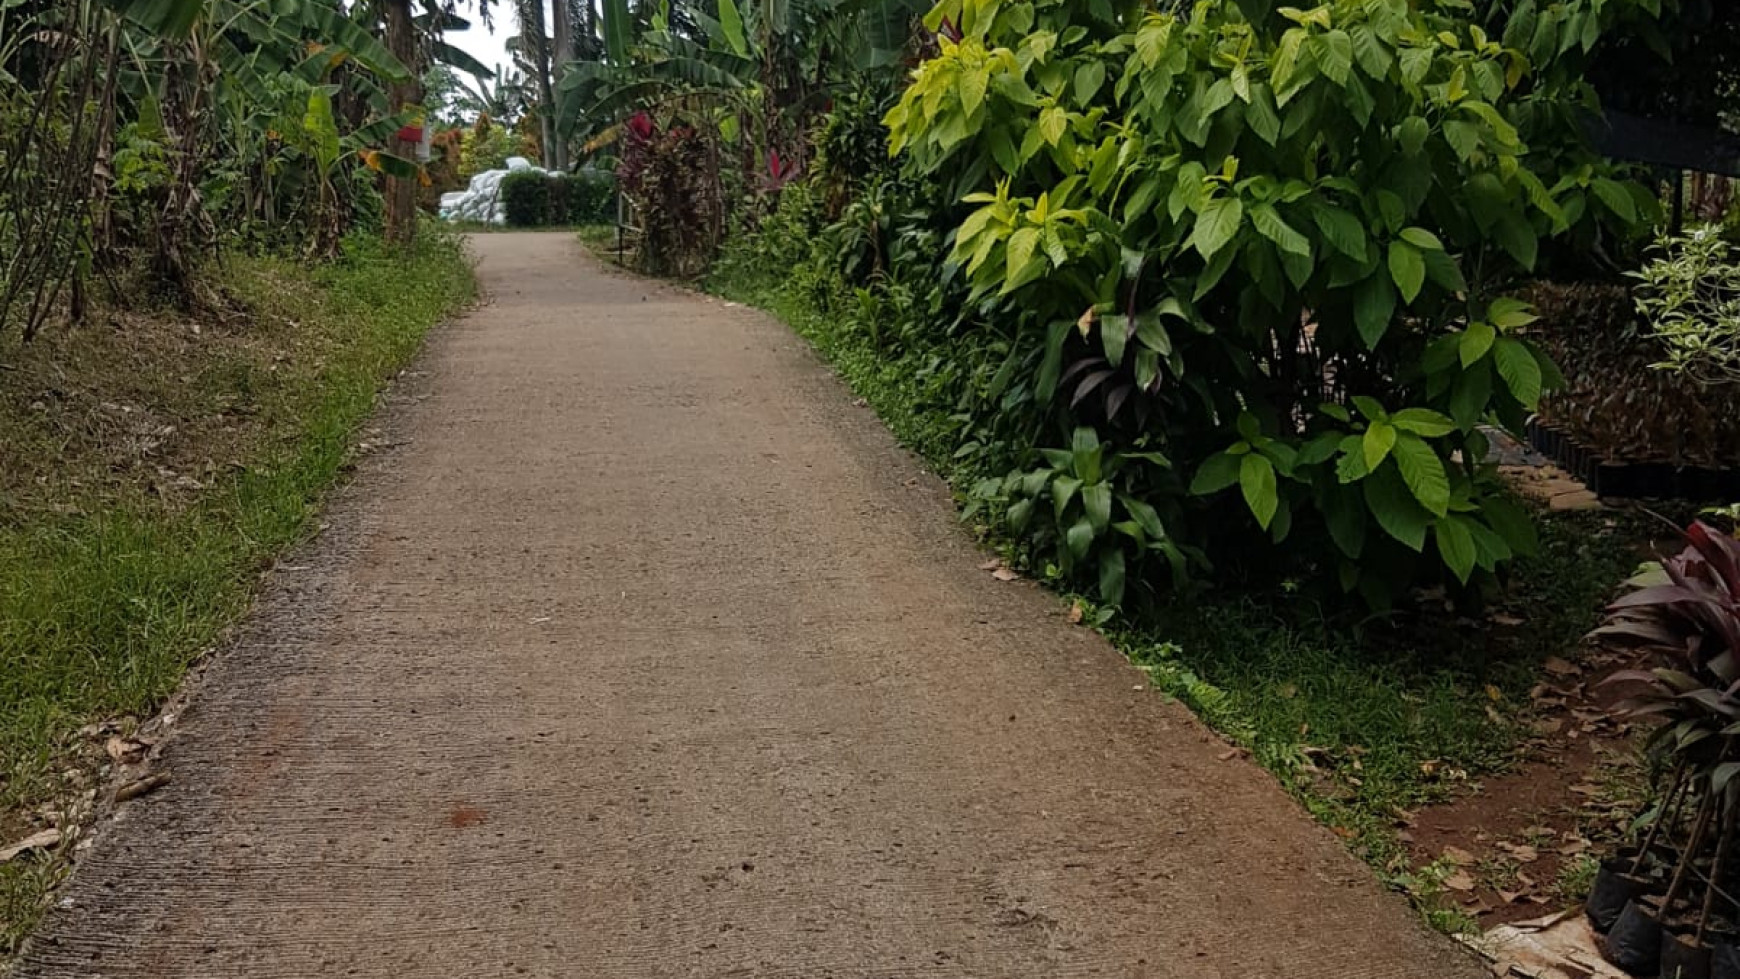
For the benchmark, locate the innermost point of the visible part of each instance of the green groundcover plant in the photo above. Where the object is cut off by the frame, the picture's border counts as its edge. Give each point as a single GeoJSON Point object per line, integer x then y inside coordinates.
{"type": "Point", "coordinates": [1263, 257]}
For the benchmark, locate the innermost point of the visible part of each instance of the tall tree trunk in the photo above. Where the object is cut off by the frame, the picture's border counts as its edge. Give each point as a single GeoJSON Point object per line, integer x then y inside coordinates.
{"type": "Point", "coordinates": [535, 43]}
{"type": "Point", "coordinates": [402, 193]}
{"type": "Point", "coordinates": [562, 52]}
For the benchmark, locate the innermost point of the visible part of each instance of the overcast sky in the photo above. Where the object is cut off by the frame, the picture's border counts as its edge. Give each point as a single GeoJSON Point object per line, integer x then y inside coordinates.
{"type": "Point", "coordinates": [480, 43]}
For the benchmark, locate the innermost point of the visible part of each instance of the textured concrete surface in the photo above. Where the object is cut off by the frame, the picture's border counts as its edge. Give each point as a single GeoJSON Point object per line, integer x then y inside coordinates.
{"type": "Point", "coordinates": [647, 654]}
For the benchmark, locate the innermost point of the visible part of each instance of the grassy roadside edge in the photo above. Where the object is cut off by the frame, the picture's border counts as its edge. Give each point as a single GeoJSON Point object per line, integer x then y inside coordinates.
{"type": "Point", "coordinates": [103, 613]}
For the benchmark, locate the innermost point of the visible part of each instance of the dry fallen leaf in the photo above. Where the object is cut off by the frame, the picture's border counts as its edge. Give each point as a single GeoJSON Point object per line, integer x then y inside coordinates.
{"type": "Point", "coordinates": [1086, 323]}
{"type": "Point", "coordinates": [991, 565]}
{"type": "Point", "coordinates": [1559, 667]}
{"type": "Point", "coordinates": [1508, 897]}
{"type": "Point", "coordinates": [1005, 574]}
{"type": "Point", "coordinates": [140, 786]}
{"type": "Point", "coordinates": [1459, 881]}
{"type": "Point", "coordinates": [126, 751]}
{"type": "Point", "coordinates": [1521, 852]}
{"type": "Point", "coordinates": [1075, 614]}
{"type": "Point", "coordinates": [1507, 620]}
{"type": "Point", "coordinates": [1458, 856]}
{"type": "Point", "coordinates": [38, 841]}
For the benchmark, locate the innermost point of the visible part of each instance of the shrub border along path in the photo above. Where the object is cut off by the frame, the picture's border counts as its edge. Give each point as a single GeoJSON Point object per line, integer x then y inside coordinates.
{"type": "Point", "coordinates": [1361, 722]}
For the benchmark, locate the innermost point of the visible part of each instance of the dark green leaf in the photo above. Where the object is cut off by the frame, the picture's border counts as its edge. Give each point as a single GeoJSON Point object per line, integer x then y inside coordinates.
{"type": "Point", "coordinates": [1455, 546]}
{"type": "Point", "coordinates": [1424, 473]}
{"type": "Point", "coordinates": [1216, 473]}
{"type": "Point", "coordinates": [1112, 576]}
{"type": "Point", "coordinates": [1392, 504]}
{"type": "Point", "coordinates": [1374, 305]}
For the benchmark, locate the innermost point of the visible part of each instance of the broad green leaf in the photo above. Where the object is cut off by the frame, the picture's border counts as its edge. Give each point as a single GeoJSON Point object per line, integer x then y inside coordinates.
{"type": "Point", "coordinates": [1513, 523]}
{"type": "Point", "coordinates": [1063, 490]}
{"type": "Point", "coordinates": [1393, 506]}
{"type": "Point", "coordinates": [1407, 269]}
{"type": "Point", "coordinates": [1618, 200]}
{"type": "Point", "coordinates": [1079, 538]}
{"type": "Point", "coordinates": [1114, 336]}
{"type": "Point", "coordinates": [1216, 225]}
{"type": "Point", "coordinates": [1344, 231]}
{"type": "Point", "coordinates": [1518, 239]}
{"type": "Point", "coordinates": [1272, 226]}
{"type": "Point", "coordinates": [1476, 341]}
{"type": "Point", "coordinates": [1088, 79]}
{"type": "Point", "coordinates": [1374, 305]}
{"type": "Point", "coordinates": [731, 21]}
{"type": "Point", "coordinates": [1112, 576]}
{"type": "Point", "coordinates": [1380, 438]}
{"type": "Point", "coordinates": [1096, 500]}
{"type": "Point", "coordinates": [1455, 546]}
{"type": "Point", "coordinates": [1257, 480]}
{"type": "Point", "coordinates": [1053, 122]}
{"type": "Point", "coordinates": [1260, 114]}
{"type": "Point", "coordinates": [1471, 395]}
{"type": "Point", "coordinates": [1424, 473]}
{"type": "Point", "coordinates": [1051, 367]}
{"type": "Point", "coordinates": [1423, 421]}
{"type": "Point", "coordinates": [1521, 373]}
{"type": "Point", "coordinates": [1412, 134]}
{"type": "Point", "coordinates": [1422, 239]}
{"type": "Point", "coordinates": [1216, 473]}
{"type": "Point", "coordinates": [1344, 512]}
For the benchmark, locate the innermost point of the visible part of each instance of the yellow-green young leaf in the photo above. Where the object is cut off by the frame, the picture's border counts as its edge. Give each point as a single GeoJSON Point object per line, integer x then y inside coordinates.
{"type": "Point", "coordinates": [1455, 546]}
{"type": "Point", "coordinates": [1510, 313]}
{"type": "Point", "coordinates": [1424, 473]}
{"type": "Point", "coordinates": [972, 87]}
{"type": "Point", "coordinates": [1407, 269]}
{"type": "Point", "coordinates": [1216, 225]}
{"type": "Point", "coordinates": [1422, 239]}
{"type": "Point", "coordinates": [1257, 480]}
{"type": "Point", "coordinates": [1271, 226]}
{"type": "Point", "coordinates": [1022, 260]}
{"type": "Point", "coordinates": [1521, 373]}
{"type": "Point", "coordinates": [1380, 437]}
{"type": "Point", "coordinates": [731, 20]}
{"type": "Point", "coordinates": [1475, 342]}
{"type": "Point", "coordinates": [1053, 122]}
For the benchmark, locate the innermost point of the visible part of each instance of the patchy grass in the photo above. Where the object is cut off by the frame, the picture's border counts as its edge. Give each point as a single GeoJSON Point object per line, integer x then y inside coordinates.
{"type": "Point", "coordinates": [153, 465]}
{"type": "Point", "coordinates": [1362, 721]}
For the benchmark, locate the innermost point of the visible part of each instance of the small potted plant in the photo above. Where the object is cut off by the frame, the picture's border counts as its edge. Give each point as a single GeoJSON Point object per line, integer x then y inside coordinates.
{"type": "Point", "coordinates": [1686, 610]}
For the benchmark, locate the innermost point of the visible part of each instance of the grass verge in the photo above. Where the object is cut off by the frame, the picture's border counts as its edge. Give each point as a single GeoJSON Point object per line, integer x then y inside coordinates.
{"type": "Point", "coordinates": [153, 465]}
{"type": "Point", "coordinates": [1361, 721]}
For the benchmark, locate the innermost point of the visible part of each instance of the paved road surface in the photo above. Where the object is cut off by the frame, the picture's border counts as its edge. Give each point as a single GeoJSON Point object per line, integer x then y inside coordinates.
{"type": "Point", "coordinates": [646, 654]}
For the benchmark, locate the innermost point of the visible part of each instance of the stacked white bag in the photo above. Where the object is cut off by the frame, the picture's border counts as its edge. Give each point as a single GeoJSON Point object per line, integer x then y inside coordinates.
{"type": "Point", "coordinates": [481, 201]}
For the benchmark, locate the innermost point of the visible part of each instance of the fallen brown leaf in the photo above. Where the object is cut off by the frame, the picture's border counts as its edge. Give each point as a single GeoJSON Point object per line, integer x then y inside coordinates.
{"type": "Point", "coordinates": [1511, 621]}
{"type": "Point", "coordinates": [1459, 881]}
{"type": "Point", "coordinates": [1521, 852]}
{"type": "Point", "coordinates": [991, 565]}
{"type": "Point", "coordinates": [126, 751]}
{"type": "Point", "coordinates": [1005, 574]}
{"type": "Point", "coordinates": [1458, 856]}
{"type": "Point", "coordinates": [140, 786]}
{"type": "Point", "coordinates": [36, 841]}
{"type": "Point", "coordinates": [1559, 667]}
{"type": "Point", "coordinates": [1075, 614]}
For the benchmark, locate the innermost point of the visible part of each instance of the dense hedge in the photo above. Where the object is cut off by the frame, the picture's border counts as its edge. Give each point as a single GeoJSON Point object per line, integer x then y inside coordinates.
{"type": "Point", "coordinates": [536, 200]}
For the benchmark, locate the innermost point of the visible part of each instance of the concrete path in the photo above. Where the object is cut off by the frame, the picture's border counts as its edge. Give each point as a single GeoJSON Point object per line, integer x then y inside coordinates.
{"type": "Point", "coordinates": [646, 654]}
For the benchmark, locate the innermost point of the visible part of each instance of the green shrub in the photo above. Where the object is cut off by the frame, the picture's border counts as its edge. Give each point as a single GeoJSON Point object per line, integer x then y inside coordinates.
{"type": "Point", "coordinates": [591, 197]}
{"type": "Point", "coordinates": [1690, 294]}
{"type": "Point", "coordinates": [525, 194]}
{"type": "Point", "coordinates": [1263, 254]}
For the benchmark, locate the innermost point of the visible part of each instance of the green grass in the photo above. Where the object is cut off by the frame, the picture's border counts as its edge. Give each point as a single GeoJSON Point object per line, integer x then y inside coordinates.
{"type": "Point", "coordinates": [1359, 720]}
{"type": "Point", "coordinates": [108, 591]}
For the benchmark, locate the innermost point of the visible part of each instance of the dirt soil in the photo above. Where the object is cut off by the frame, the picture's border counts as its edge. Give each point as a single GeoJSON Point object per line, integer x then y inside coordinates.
{"type": "Point", "coordinates": [647, 654]}
{"type": "Point", "coordinates": [1514, 842]}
